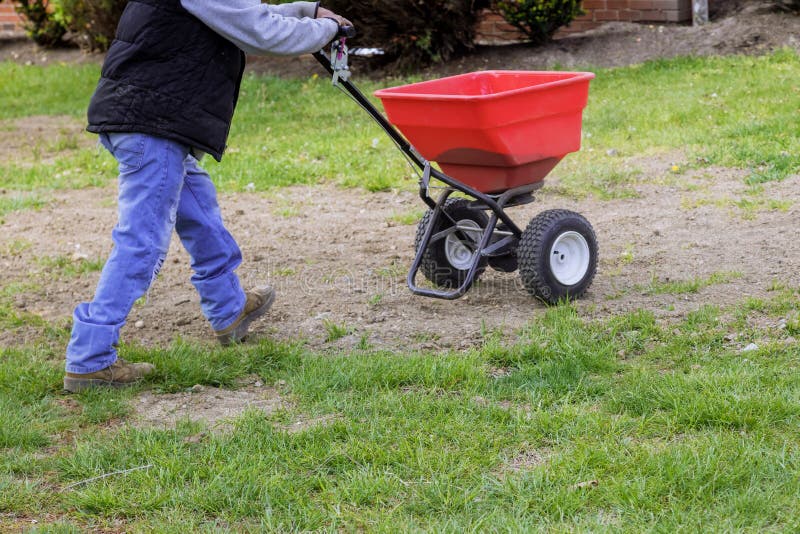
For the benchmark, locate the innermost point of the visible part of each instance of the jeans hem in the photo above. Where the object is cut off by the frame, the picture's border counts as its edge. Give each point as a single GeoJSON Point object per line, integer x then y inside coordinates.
{"type": "Point", "coordinates": [93, 369]}
{"type": "Point", "coordinates": [229, 323]}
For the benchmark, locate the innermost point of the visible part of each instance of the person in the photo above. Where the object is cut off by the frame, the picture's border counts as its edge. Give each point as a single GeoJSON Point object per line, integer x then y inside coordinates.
{"type": "Point", "coordinates": [166, 96]}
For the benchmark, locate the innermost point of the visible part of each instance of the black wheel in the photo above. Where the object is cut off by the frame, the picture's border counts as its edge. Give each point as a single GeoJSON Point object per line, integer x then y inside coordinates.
{"type": "Point", "coordinates": [557, 255]}
{"type": "Point", "coordinates": [447, 261]}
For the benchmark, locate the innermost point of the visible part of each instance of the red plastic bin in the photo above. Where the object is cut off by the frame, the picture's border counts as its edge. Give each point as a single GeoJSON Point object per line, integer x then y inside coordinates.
{"type": "Point", "coordinates": [492, 130]}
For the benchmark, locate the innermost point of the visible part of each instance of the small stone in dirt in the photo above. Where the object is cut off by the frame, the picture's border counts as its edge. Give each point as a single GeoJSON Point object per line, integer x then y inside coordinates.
{"type": "Point", "coordinates": [139, 324]}
{"type": "Point", "coordinates": [258, 383]}
{"type": "Point", "coordinates": [612, 152]}
{"type": "Point", "coordinates": [183, 321]}
{"type": "Point", "coordinates": [499, 372]}
{"type": "Point", "coordinates": [196, 438]}
{"type": "Point", "coordinates": [749, 348]}
{"type": "Point", "coordinates": [198, 388]}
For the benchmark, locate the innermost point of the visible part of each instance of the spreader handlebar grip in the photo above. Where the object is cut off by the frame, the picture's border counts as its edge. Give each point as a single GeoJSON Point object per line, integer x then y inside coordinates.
{"type": "Point", "coordinates": [346, 31]}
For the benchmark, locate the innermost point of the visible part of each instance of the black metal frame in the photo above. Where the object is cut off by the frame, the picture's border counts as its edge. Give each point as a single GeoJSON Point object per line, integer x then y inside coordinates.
{"type": "Point", "coordinates": [496, 203]}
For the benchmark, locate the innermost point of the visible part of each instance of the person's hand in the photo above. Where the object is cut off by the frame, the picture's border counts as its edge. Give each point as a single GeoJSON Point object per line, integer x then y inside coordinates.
{"type": "Point", "coordinates": [323, 13]}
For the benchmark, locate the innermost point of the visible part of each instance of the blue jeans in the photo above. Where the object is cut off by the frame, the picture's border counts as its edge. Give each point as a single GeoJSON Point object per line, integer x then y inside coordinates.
{"type": "Point", "coordinates": [161, 187]}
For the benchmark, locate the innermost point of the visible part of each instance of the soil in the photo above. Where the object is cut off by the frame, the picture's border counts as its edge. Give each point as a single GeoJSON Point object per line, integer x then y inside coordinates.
{"type": "Point", "coordinates": [338, 257]}
{"type": "Point", "coordinates": [355, 276]}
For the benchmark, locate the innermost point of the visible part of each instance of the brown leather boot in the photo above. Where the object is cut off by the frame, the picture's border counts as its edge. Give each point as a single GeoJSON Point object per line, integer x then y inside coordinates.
{"type": "Point", "coordinates": [118, 374]}
{"type": "Point", "coordinates": [258, 302]}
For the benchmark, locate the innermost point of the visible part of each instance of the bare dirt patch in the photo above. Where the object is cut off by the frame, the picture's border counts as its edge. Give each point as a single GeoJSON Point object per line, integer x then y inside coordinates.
{"type": "Point", "coordinates": [524, 460]}
{"type": "Point", "coordinates": [215, 407]}
{"type": "Point", "coordinates": [527, 460]}
{"type": "Point", "coordinates": [40, 138]}
{"type": "Point", "coordinates": [341, 260]}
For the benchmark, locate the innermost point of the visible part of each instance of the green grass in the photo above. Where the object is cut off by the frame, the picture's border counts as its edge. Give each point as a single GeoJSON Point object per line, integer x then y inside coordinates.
{"type": "Point", "coordinates": [334, 330]}
{"type": "Point", "coordinates": [734, 111]}
{"type": "Point", "coordinates": [693, 285]}
{"type": "Point", "coordinates": [623, 424]}
{"type": "Point", "coordinates": [13, 203]}
{"type": "Point", "coordinates": [70, 267]}
{"type": "Point", "coordinates": [728, 111]}
{"type": "Point", "coordinates": [411, 217]}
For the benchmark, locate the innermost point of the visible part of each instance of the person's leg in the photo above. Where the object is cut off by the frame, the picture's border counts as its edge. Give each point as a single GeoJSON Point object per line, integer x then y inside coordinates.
{"type": "Point", "coordinates": [214, 253]}
{"type": "Point", "coordinates": [215, 257]}
{"type": "Point", "coordinates": [150, 181]}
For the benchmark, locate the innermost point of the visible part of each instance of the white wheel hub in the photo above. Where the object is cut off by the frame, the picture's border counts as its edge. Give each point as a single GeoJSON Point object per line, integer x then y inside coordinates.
{"type": "Point", "coordinates": [570, 257]}
{"type": "Point", "coordinates": [459, 255]}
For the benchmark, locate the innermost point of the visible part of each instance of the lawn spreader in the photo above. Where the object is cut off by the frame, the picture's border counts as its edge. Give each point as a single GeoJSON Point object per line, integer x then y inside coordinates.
{"type": "Point", "coordinates": [495, 136]}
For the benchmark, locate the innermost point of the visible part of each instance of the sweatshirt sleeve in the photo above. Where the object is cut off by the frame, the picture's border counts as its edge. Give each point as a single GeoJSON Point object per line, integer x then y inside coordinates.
{"type": "Point", "coordinates": [256, 28]}
{"type": "Point", "coordinates": [296, 9]}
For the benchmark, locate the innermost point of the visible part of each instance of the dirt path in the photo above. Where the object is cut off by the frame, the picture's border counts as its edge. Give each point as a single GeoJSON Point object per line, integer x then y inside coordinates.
{"type": "Point", "coordinates": [337, 257]}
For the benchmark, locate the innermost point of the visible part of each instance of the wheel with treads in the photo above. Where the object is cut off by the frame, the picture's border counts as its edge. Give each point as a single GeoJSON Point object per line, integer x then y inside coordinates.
{"type": "Point", "coordinates": [557, 256]}
{"type": "Point", "coordinates": [447, 261]}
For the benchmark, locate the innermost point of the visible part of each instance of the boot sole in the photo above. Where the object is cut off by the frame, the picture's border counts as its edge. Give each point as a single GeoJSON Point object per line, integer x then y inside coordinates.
{"type": "Point", "coordinates": [239, 333]}
{"type": "Point", "coordinates": [76, 385]}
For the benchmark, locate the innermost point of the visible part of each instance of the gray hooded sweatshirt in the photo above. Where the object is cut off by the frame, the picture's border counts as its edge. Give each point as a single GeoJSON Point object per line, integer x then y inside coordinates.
{"type": "Point", "coordinates": [260, 29]}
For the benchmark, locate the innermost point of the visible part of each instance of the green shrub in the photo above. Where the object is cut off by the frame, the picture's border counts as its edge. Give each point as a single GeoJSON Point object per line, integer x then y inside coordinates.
{"type": "Point", "coordinates": [413, 33]}
{"type": "Point", "coordinates": [93, 22]}
{"type": "Point", "coordinates": [539, 19]}
{"type": "Point", "coordinates": [40, 24]}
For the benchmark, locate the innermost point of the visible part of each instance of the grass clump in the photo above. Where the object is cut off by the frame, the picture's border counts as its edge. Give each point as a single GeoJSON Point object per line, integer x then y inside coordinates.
{"type": "Point", "coordinates": [589, 424]}
{"type": "Point", "coordinates": [680, 287]}
{"type": "Point", "coordinates": [13, 203]}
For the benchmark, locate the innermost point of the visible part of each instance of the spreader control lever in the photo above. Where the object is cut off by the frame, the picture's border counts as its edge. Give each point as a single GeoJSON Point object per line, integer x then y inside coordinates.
{"type": "Point", "coordinates": [341, 70]}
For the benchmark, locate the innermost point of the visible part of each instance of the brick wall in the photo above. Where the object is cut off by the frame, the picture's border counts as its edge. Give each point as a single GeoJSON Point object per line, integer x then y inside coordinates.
{"type": "Point", "coordinates": [9, 20]}
{"type": "Point", "coordinates": [493, 29]}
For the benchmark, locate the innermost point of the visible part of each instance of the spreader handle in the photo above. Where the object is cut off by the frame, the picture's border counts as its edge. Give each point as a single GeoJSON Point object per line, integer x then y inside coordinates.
{"type": "Point", "coordinates": [346, 31]}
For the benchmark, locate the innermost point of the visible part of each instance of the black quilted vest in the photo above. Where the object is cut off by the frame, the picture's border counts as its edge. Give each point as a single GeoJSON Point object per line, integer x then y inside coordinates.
{"type": "Point", "coordinates": [169, 75]}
